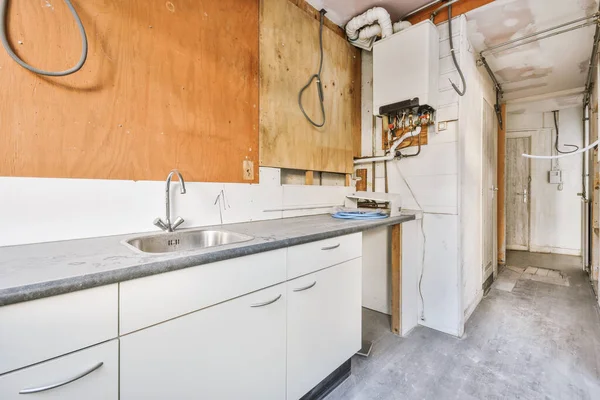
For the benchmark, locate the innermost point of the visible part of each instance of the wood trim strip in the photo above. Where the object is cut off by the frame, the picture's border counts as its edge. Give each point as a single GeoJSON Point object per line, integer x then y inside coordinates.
{"type": "Point", "coordinates": [397, 279]}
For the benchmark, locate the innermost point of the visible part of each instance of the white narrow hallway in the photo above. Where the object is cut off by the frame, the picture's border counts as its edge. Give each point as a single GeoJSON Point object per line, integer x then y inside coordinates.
{"type": "Point", "coordinates": [535, 340]}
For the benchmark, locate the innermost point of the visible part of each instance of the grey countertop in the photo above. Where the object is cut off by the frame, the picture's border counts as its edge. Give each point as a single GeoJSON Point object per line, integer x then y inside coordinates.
{"type": "Point", "coordinates": [34, 271]}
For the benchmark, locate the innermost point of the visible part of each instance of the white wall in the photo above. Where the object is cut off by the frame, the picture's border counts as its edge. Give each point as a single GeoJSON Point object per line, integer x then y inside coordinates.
{"type": "Point", "coordinates": [555, 215]}
{"type": "Point", "coordinates": [42, 209]}
{"type": "Point", "coordinates": [448, 169]}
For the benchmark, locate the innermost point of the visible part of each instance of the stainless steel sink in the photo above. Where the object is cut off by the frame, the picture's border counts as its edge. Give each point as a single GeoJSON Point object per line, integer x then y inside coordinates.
{"type": "Point", "coordinates": [185, 240]}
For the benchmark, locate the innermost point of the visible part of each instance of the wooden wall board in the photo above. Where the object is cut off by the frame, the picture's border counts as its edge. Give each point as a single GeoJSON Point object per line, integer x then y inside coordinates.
{"type": "Point", "coordinates": [313, 12]}
{"type": "Point", "coordinates": [289, 56]}
{"type": "Point", "coordinates": [166, 84]}
{"type": "Point", "coordinates": [459, 8]}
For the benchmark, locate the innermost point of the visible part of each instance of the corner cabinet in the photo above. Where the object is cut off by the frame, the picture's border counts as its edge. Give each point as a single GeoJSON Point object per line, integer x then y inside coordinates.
{"type": "Point", "coordinates": [233, 350]}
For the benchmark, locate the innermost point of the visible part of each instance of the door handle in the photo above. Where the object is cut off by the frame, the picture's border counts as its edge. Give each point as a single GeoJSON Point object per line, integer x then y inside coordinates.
{"type": "Point", "coordinates": [305, 287]}
{"type": "Point", "coordinates": [266, 303]}
{"type": "Point", "coordinates": [62, 383]}
{"type": "Point", "coordinates": [331, 247]}
{"type": "Point", "coordinates": [524, 194]}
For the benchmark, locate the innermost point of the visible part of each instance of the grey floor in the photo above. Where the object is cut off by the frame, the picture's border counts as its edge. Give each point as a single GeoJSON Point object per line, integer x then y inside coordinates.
{"type": "Point", "coordinates": [536, 340]}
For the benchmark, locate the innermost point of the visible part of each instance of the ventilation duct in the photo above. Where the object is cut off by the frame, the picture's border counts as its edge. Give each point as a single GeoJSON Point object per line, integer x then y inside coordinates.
{"type": "Point", "coordinates": [364, 28]}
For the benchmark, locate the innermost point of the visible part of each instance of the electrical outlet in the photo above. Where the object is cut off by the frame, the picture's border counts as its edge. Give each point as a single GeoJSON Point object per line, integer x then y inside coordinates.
{"type": "Point", "coordinates": [248, 167]}
{"type": "Point", "coordinates": [555, 177]}
{"type": "Point", "coordinates": [442, 126]}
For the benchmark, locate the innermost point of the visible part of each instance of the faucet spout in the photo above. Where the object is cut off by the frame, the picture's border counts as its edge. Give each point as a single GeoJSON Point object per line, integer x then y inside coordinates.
{"type": "Point", "coordinates": [167, 225]}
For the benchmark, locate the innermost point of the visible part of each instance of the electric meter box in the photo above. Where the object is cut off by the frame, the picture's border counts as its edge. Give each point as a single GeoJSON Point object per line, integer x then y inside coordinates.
{"type": "Point", "coordinates": [406, 66]}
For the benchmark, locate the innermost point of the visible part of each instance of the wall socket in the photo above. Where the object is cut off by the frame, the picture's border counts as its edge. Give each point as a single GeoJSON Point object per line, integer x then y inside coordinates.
{"type": "Point", "coordinates": [555, 177]}
{"type": "Point", "coordinates": [248, 167]}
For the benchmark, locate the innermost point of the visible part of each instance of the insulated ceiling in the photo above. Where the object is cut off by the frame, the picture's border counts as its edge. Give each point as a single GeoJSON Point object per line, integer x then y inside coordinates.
{"type": "Point", "coordinates": [547, 66]}
{"type": "Point", "coordinates": [341, 11]}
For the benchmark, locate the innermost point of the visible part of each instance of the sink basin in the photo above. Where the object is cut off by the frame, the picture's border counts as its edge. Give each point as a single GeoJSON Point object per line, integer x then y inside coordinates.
{"type": "Point", "coordinates": [185, 240]}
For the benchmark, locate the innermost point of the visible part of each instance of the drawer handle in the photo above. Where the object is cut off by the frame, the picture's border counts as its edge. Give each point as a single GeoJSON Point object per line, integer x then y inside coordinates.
{"type": "Point", "coordinates": [330, 247]}
{"type": "Point", "coordinates": [266, 303]}
{"type": "Point", "coordinates": [306, 287]}
{"type": "Point", "coordinates": [65, 382]}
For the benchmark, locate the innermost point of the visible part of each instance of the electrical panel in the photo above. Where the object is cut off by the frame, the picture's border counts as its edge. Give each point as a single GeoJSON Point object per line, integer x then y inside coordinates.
{"type": "Point", "coordinates": [406, 70]}
{"type": "Point", "coordinates": [555, 176]}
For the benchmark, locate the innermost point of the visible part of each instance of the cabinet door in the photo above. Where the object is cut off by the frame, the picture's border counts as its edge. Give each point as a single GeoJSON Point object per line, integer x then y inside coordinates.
{"type": "Point", "coordinates": [90, 374]}
{"type": "Point", "coordinates": [233, 350]}
{"type": "Point", "coordinates": [324, 324]}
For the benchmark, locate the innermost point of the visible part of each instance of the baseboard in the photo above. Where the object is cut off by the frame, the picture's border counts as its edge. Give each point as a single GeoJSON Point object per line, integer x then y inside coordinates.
{"type": "Point", "coordinates": [471, 309]}
{"type": "Point", "coordinates": [332, 381]}
{"type": "Point", "coordinates": [555, 250]}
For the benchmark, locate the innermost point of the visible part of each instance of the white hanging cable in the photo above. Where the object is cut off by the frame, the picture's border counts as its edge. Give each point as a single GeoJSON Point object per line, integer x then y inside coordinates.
{"type": "Point", "coordinates": [591, 146]}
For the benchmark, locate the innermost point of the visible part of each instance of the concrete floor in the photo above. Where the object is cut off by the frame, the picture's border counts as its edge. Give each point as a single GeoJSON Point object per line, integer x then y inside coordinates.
{"type": "Point", "coordinates": [538, 341]}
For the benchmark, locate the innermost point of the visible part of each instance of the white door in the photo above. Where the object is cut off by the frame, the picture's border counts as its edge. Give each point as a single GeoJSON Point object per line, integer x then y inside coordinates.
{"type": "Point", "coordinates": [517, 193]}
{"type": "Point", "coordinates": [324, 324]}
{"type": "Point", "coordinates": [490, 190]}
{"type": "Point", "coordinates": [92, 373]}
{"type": "Point", "coordinates": [234, 350]}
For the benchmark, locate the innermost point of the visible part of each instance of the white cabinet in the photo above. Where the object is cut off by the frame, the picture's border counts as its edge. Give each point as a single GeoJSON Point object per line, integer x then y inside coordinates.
{"type": "Point", "coordinates": [38, 330]}
{"type": "Point", "coordinates": [233, 350]}
{"type": "Point", "coordinates": [323, 323]}
{"type": "Point", "coordinates": [191, 289]}
{"type": "Point", "coordinates": [97, 370]}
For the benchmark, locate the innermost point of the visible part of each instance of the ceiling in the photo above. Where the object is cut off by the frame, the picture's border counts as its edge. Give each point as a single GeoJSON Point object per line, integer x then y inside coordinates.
{"type": "Point", "coordinates": [547, 66]}
{"type": "Point", "coordinates": [341, 11]}
{"type": "Point", "coordinates": [551, 65]}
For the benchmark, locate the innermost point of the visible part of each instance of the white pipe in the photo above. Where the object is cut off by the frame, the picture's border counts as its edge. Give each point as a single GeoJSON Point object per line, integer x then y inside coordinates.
{"type": "Point", "coordinates": [400, 25]}
{"type": "Point", "coordinates": [392, 154]}
{"type": "Point", "coordinates": [375, 15]}
{"type": "Point", "coordinates": [591, 146]}
{"type": "Point", "coordinates": [369, 31]}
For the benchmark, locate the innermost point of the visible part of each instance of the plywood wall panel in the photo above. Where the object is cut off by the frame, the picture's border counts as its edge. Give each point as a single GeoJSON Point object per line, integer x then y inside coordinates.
{"type": "Point", "coordinates": [289, 55]}
{"type": "Point", "coordinates": [166, 84]}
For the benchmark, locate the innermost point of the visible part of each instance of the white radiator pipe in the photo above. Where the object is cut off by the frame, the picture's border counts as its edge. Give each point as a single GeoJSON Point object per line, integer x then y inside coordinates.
{"type": "Point", "coordinates": [392, 154]}
{"type": "Point", "coordinates": [376, 16]}
{"type": "Point", "coordinates": [591, 146]}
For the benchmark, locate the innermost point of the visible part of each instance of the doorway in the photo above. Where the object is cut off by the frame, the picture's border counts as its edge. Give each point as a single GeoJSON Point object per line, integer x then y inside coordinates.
{"type": "Point", "coordinates": [518, 193]}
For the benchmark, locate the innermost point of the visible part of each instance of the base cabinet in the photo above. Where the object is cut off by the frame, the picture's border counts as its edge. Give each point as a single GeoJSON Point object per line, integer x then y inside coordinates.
{"type": "Point", "coordinates": [233, 350]}
{"type": "Point", "coordinates": [324, 324]}
{"type": "Point", "coordinates": [90, 374]}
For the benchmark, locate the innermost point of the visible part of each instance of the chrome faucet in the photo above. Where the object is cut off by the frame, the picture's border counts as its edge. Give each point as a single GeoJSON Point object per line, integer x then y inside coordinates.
{"type": "Point", "coordinates": [166, 225]}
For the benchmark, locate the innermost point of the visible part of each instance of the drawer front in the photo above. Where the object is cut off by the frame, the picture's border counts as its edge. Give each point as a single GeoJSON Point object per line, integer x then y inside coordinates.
{"type": "Point", "coordinates": [148, 301]}
{"type": "Point", "coordinates": [89, 374]}
{"type": "Point", "coordinates": [310, 257]}
{"type": "Point", "coordinates": [38, 330]}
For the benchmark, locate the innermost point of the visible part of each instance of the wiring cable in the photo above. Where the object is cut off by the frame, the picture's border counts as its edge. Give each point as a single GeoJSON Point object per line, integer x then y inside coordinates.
{"type": "Point", "coordinates": [462, 77]}
{"type": "Point", "coordinates": [14, 56]}
{"type": "Point", "coordinates": [555, 113]}
{"type": "Point", "coordinates": [422, 316]}
{"type": "Point", "coordinates": [316, 77]}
